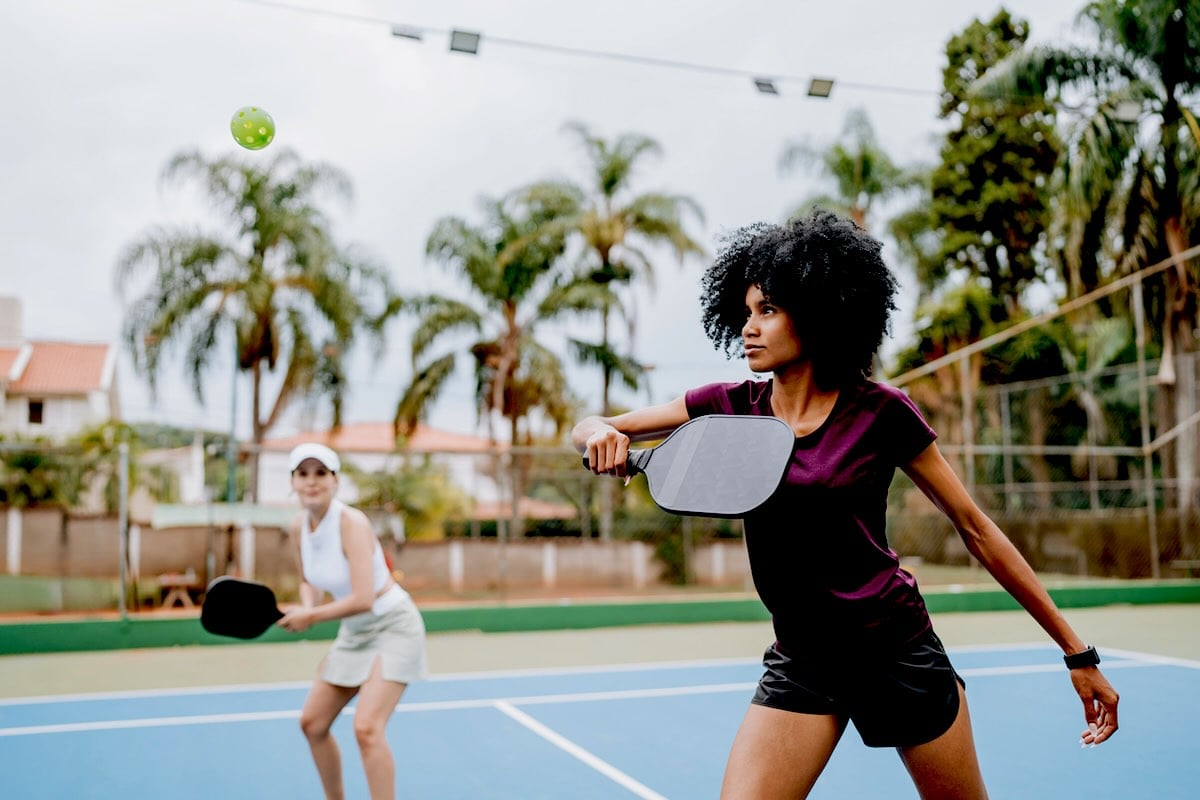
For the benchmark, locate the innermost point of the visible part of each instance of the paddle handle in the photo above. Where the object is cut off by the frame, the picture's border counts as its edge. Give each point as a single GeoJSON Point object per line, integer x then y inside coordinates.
{"type": "Point", "coordinates": [635, 463]}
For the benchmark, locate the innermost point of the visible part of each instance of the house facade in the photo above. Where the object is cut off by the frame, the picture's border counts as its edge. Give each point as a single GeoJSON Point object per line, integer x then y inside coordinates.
{"type": "Point", "coordinates": [52, 389]}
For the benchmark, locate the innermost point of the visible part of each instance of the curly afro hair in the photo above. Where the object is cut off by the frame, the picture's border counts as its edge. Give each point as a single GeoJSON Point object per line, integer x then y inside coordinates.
{"type": "Point", "coordinates": [825, 272]}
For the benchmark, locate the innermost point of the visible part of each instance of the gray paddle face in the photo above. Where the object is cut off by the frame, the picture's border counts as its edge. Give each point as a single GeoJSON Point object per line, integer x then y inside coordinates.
{"type": "Point", "coordinates": [721, 465]}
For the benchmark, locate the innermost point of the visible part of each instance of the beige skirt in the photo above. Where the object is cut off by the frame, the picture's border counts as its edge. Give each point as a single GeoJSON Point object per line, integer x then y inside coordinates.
{"type": "Point", "coordinates": [395, 637]}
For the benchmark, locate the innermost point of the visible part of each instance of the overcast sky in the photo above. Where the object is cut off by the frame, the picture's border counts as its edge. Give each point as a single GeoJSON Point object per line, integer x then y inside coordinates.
{"type": "Point", "coordinates": [98, 95]}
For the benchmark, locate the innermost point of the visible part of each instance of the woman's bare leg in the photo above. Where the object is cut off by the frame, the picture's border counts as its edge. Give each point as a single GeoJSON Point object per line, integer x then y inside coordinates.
{"type": "Point", "coordinates": [376, 700]}
{"type": "Point", "coordinates": [948, 767]}
{"type": "Point", "coordinates": [322, 706]}
{"type": "Point", "coordinates": [779, 754]}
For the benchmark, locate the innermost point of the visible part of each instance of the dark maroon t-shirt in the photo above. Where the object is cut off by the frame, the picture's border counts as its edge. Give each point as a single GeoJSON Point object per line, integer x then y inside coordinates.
{"type": "Point", "coordinates": [818, 548]}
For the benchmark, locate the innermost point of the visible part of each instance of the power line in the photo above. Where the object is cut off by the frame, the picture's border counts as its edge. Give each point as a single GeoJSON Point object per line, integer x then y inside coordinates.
{"type": "Point", "coordinates": [469, 42]}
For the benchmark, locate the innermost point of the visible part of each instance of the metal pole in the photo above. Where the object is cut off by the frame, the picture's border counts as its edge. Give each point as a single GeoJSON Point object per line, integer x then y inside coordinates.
{"type": "Point", "coordinates": [231, 484]}
{"type": "Point", "coordinates": [123, 525]}
{"type": "Point", "coordinates": [1093, 476]}
{"type": "Point", "coordinates": [1139, 324]}
{"type": "Point", "coordinates": [1006, 437]}
{"type": "Point", "coordinates": [968, 424]}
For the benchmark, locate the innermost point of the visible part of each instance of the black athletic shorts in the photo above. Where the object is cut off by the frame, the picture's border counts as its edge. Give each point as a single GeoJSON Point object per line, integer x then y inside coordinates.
{"type": "Point", "coordinates": [901, 699]}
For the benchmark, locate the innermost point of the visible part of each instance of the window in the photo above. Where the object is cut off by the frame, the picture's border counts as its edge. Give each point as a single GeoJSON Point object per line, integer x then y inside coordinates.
{"type": "Point", "coordinates": [36, 407]}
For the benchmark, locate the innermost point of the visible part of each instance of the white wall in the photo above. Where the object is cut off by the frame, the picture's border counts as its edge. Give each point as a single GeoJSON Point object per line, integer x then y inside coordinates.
{"type": "Point", "coordinates": [61, 416]}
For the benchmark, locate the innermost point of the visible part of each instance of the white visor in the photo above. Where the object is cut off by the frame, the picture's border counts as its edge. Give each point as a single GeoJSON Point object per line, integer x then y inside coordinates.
{"type": "Point", "coordinates": [315, 451]}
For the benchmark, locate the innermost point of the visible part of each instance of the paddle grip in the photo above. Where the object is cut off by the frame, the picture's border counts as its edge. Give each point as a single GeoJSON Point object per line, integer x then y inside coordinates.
{"type": "Point", "coordinates": [634, 464]}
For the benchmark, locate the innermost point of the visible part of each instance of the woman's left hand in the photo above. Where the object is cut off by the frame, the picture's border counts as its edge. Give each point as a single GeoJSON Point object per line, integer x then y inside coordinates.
{"type": "Point", "coordinates": [1099, 704]}
{"type": "Point", "coordinates": [297, 619]}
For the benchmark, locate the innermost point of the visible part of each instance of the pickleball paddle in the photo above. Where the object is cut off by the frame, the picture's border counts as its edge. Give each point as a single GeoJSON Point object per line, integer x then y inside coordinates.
{"type": "Point", "coordinates": [719, 465]}
{"type": "Point", "coordinates": [238, 608]}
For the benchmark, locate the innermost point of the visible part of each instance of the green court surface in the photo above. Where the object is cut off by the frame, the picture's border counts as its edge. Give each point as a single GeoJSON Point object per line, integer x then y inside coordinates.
{"type": "Point", "coordinates": [1170, 630]}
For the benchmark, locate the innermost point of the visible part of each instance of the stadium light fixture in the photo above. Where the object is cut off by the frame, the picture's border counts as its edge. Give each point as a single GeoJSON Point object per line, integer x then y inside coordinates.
{"type": "Point", "coordinates": [464, 42]}
{"type": "Point", "coordinates": [407, 32]}
{"type": "Point", "coordinates": [820, 87]}
{"type": "Point", "coordinates": [766, 86]}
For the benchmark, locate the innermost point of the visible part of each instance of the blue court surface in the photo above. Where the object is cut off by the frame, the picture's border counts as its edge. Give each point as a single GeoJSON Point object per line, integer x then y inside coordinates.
{"type": "Point", "coordinates": [644, 731]}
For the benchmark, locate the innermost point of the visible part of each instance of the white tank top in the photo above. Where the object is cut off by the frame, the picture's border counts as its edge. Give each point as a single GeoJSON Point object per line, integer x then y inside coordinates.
{"type": "Point", "coordinates": [325, 565]}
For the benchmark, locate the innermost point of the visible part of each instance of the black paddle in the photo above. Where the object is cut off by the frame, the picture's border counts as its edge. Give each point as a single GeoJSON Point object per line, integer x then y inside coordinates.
{"type": "Point", "coordinates": [720, 465]}
{"type": "Point", "coordinates": [237, 608]}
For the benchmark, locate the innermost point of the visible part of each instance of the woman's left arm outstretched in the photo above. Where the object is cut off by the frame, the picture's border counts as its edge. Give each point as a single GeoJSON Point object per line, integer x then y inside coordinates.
{"type": "Point", "coordinates": [986, 542]}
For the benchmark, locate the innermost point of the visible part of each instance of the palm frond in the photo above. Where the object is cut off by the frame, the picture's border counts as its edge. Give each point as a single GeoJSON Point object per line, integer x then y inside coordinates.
{"type": "Point", "coordinates": [422, 392]}
{"type": "Point", "coordinates": [439, 316]}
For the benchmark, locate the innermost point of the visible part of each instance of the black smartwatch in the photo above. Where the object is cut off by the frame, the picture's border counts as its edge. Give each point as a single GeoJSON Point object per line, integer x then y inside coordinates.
{"type": "Point", "coordinates": [1084, 658]}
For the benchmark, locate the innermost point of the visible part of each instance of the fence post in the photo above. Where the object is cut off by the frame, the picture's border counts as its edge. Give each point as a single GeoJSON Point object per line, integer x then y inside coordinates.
{"type": "Point", "coordinates": [455, 568]}
{"type": "Point", "coordinates": [968, 425]}
{"type": "Point", "coordinates": [1006, 438]}
{"type": "Point", "coordinates": [549, 564]}
{"type": "Point", "coordinates": [1139, 323]}
{"type": "Point", "coordinates": [123, 524]}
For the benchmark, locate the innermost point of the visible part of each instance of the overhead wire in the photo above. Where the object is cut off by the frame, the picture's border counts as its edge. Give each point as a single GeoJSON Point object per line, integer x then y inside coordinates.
{"type": "Point", "coordinates": [405, 30]}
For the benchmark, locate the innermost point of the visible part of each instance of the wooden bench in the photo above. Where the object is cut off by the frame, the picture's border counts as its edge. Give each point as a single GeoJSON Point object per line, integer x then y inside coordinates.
{"type": "Point", "coordinates": [179, 588]}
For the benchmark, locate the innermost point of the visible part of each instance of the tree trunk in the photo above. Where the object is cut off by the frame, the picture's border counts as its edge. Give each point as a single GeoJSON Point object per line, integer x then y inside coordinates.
{"type": "Point", "coordinates": [257, 435]}
{"type": "Point", "coordinates": [517, 468]}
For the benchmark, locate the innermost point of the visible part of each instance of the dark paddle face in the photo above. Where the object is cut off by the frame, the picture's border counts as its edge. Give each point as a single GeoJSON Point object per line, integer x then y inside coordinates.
{"type": "Point", "coordinates": [237, 608]}
{"type": "Point", "coordinates": [720, 465]}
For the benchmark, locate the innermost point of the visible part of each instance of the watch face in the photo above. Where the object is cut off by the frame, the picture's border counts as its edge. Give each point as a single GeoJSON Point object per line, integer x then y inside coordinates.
{"type": "Point", "coordinates": [1087, 658]}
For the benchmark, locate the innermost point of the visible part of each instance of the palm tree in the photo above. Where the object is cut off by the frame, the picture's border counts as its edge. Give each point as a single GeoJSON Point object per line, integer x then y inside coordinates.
{"type": "Point", "coordinates": [615, 226]}
{"type": "Point", "coordinates": [508, 264]}
{"type": "Point", "coordinates": [1144, 71]}
{"type": "Point", "coordinates": [862, 171]}
{"type": "Point", "coordinates": [274, 281]}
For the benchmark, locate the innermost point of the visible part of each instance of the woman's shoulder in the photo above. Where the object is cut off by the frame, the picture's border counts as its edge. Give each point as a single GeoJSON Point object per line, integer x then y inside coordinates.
{"type": "Point", "coordinates": [882, 394]}
{"type": "Point", "coordinates": [731, 397]}
{"type": "Point", "coordinates": [353, 517]}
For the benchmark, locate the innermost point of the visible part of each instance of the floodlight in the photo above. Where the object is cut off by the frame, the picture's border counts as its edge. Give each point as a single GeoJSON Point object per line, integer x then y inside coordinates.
{"type": "Point", "coordinates": [820, 87]}
{"type": "Point", "coordinates": [766, 86]}
{"type": "Point", "coordinates": [406, 32]}
{"type": "Point", "coordinates": [464, 42]}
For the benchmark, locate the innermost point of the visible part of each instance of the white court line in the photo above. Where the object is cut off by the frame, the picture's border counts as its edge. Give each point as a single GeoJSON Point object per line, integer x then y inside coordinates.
{"type": "Point", "coordinates": [153, 722]}
{"type": "Point", "coordinates": [566, 745]}
{"type": "Point", "coordinates": [1135, 660]}
{"type": "Point", "coordinates": [408, 708]}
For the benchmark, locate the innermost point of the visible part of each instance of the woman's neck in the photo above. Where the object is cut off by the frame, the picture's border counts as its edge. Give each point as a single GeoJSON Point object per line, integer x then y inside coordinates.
{"type": "Point", "coordinates": [317, 513]}
{"type": "Point", "coordinates": [799, 401]}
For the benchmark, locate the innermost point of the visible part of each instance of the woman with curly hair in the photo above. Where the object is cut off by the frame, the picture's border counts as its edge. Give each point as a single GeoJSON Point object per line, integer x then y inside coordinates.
{"type": "Point", "coordinates": [809, 302]}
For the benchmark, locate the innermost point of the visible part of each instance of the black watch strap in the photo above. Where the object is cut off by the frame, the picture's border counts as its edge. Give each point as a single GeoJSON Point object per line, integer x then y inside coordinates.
{"type": "Point", "coordinates": [1085, 658]}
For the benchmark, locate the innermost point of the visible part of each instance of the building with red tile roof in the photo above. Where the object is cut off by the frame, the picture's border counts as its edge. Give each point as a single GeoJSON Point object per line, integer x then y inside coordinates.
{"type": "Point", "coordinates": [55, 389]}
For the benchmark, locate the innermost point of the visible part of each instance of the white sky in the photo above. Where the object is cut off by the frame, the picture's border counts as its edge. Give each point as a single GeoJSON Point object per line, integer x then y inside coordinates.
{"type": "Point", "coordinates": [98, 95]}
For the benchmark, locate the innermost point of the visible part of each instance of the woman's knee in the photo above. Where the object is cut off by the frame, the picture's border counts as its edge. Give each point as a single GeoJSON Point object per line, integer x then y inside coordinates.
{"type": "Point", "coordinates": [369, 734]}
{"type": "Point", "coordinates": [315, 727]}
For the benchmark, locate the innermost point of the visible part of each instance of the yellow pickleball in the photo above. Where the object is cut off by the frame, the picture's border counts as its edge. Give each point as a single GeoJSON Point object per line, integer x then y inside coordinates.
{"type": "Point", "coordinates": [252, 127]}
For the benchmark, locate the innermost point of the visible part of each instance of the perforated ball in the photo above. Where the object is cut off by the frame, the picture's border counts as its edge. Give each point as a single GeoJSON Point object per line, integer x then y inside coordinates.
{"type": "Point", "coordinates": [252, 127]}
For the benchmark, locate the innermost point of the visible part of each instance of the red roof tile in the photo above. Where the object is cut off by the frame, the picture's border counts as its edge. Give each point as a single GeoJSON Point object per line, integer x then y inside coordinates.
{"type": "Point", "coordinates": [378, 437]}
{"type": "Point", "coordinates": [63, 368]}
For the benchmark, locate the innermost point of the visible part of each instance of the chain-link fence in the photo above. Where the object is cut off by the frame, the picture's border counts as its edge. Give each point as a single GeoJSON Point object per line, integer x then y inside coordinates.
{"type": "Point", "coordinates": [1090, 467]}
